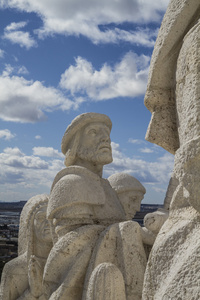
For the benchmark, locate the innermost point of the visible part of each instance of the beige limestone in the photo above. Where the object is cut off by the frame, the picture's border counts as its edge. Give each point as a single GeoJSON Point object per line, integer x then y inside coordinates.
{"type": "Point", "coordinates": [96, 254]}
{"type": "Point", "coordinates": [173, 96]}
{"type": "Point", "coordinates": [87, 215]}
{"type": "Point", "coordinates": [22, 276]}
{"type": "Point", "coordinates": [130, 192]}
{"type": "Point", "coordinates": [121, 245]}
{"type": "Point", "coordinates": [81, 205]}
{"type": "Point", "coordinates": [79, 243]}
{"type": "Point", "coordinates": [106, 283]}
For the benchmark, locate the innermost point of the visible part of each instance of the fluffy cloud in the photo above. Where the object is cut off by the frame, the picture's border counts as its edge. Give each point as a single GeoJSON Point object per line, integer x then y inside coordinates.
{"type": "Point", "coordinates": [47, 151]}
{"type": "Point", "coordinates": [26, 100]}
{"type": "Point", "coordinates": [20, 173]}
{"type": "Point", "coordinates": [73, 18]}
{"type": "Point", "coordinates": [23, 176]}
{"type": "Point", "coordinates": [2, 52]}
{"type": "Point", "coordinates": [13, 157]}
{"type": "Point", "coordinates": [6, 134]}
{"type": "Point", "coordinates": [146, 150]}
{"type": "Point", "coordinates": [158, 172]}
{"type": "Point", "coordinates": [20, 37]}
{"type": "Point", "coordinates": [136, 141]}
{"type": "Point", "coordinates": [127, 78]}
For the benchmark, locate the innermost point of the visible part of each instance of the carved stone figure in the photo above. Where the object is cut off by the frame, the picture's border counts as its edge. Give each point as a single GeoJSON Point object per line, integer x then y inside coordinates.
{"type": "Point", "coordinates": [130, 192]}
{"type": "Point", "coordinates": [22, 276]}
{"type": "Point", "coordinates": [81, 205]}
{"type": "Point", "coordinates": [119, 258]}
{"type": "Point", "coordinates": [173, 98]}
{"type": "Point", "coordinates": [93, 243]}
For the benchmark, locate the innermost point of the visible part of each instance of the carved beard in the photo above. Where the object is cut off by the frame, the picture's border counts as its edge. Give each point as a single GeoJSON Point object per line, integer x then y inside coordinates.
{"type": "Point", "coordinates": [95, 155]}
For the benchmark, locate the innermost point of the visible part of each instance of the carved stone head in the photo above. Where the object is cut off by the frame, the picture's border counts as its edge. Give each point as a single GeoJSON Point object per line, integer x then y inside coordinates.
{"type": "Point", "coordinates": [130, 192]}
{"type": "Point", "coordinates": [33, 224]}
{"type": "Point", "coordinates": [88, 138]}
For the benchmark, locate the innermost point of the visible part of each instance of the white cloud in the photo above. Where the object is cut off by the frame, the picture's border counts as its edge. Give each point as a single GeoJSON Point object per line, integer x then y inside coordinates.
{"type": "Point", "coordinates": [47, 151]}
{"type": "Point", "coordinates": [6, 134]}
{"type": "Point", "coordinates": [13, 157]}
{"type": "Point", "coordinates": [157, 172]}
{"type": "Point", "coordinates": [127, 78]}
{"type": "Point", "coordinates": [22, 70]}
{"type": "Point", "coordinates": [15, 26]}
{"type": "Point", "coordinates": [27, 100]}
{"type": "Point", "coordinates": [16, 36]}
{"type": "Point", "coordinates": [136, 141]}
{"type": "Point", "coordinates": [158, 190]}
{"type": "Point", "coordinates": [73, 18]}
{"type": "Point", "coordinates": [23, 176]}
{"type": "Point", "coordinates": [2, 53]}
{"type": "Point", "coordinates": [38, 137]}
{"type": "Point", "coordinates": [146, 150]}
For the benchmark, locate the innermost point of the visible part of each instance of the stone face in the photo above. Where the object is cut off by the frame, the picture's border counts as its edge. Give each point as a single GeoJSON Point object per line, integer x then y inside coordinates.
{"type": "Point", "coordinates": [87, 216]}
{"type": "Point", "coordinates": [22, 276]}
{"type": "Point", "coordinates": [173, 269]}
{"type": "Point", "coordinates": [130, 192]}
{"type": "Point", "coordinates": [94, 250]}
{"type": "Point", "coordinates": [160, 96]}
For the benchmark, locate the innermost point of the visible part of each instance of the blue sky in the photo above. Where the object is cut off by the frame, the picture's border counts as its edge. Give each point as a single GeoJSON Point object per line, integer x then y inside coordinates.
{"type": "Point", "coordinates": [61, 58]}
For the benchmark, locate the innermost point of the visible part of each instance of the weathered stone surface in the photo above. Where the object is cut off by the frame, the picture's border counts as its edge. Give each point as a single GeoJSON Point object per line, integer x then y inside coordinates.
{"type": "Point", "coordinates": [121, 245]}
{"type": "Point", "coordinates": [22, 276]}
{"type": "Point", "coordinates": [94, 251]}
{"type": "Point", "coordinates": [106, 283]}
{"type": "Point", "coordinates": [173, 267]}
{"type": "Point", "coordinates": [130, 192]}
{"type": "Point", "coordinates": [160, 96]}
{"type": "Point", "coordinates": [86, 213]}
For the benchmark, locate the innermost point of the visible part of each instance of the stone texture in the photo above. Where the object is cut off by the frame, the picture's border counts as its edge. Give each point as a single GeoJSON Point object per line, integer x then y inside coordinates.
{"type": "Point", "coordinates": [106, 283]}
{"type": "Point", "coordinates": [173, 268]}
{"type": "Point", "coordinates": [87, 217]}
{"type": "Point", "coordinates": [19, 280]}
{"type": "Point", "coordinates": [160, 96]}
{"type": "Point", "coordinates": [95, 251]}
{"type": "Point", "coordinates": [121, 245]}
{"type": "Point", "coordinates": [130, 192]}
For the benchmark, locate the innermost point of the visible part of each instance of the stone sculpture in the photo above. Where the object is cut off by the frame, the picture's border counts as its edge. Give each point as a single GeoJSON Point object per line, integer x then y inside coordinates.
{"type": "Point", "coordinates": [22, 276]}
{"type": "Point", "coordinates": [119, 257]}
{"type": "Point", "coordinates": [130, 192]}
{"type": "Point", "coordinates": [173, 98]}
{"type": "Point", "coordinates": [81, 205]}
{"type": "Point", "coordinates": [95, 250]}
{"type": "Point", "coordinates": [87, 219]}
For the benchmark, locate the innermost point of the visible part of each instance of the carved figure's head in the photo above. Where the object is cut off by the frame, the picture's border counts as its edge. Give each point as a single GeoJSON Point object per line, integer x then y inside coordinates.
{"type": "Point", "coordinates": [130, 192]}
{"type": "Point", "coordinates": [34, 226]}
{"type": "Point", "coordinates": [88, 138]}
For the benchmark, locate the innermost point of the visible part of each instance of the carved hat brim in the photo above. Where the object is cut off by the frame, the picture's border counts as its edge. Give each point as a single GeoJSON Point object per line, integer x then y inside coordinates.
{"type": "Point", "coordinates": [78, 123]}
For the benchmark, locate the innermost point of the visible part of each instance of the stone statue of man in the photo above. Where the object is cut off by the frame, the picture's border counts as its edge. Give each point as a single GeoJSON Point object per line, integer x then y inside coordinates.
{"type": "Point", "coordinates": [173, 96]}
{"type": "Point", "coordinates": [81, 205]}
{"type": "Point", "coordinates": [22, 277]}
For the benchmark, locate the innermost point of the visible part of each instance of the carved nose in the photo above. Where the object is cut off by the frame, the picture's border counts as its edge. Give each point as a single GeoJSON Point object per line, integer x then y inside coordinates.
{"type": "Point", "coordinates": [105, 138]}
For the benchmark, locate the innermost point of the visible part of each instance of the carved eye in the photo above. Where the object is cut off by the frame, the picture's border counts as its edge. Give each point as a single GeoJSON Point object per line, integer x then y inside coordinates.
{"type": "Point", "coordinates": [92, 132]}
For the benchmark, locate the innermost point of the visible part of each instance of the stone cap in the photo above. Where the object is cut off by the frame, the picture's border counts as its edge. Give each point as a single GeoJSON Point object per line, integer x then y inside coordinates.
{"type": "Point", "coordinates": [123, 182]}
{"type": "Point", "coordinates": [78, 123]}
